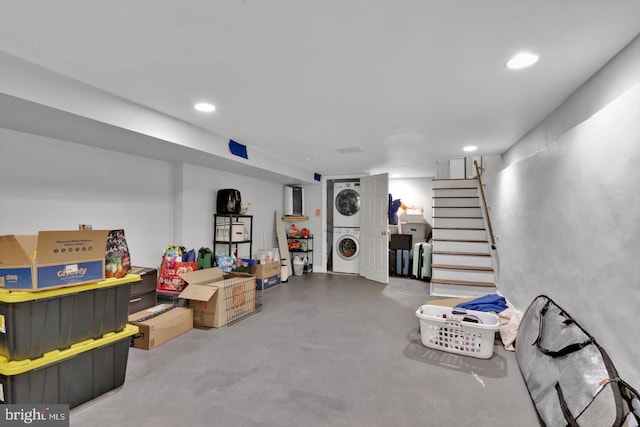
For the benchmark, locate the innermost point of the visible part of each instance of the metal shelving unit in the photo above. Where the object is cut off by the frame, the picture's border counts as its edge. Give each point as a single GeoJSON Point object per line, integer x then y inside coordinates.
{"type": "Point", "coordinates": [232, 246]}
{"type": "Point", "coordinates": [308, 252]}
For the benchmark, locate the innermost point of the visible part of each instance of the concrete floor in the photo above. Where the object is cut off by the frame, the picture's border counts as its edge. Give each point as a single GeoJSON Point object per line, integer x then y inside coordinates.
{"type": "Point", "coordinates": [326, 350]}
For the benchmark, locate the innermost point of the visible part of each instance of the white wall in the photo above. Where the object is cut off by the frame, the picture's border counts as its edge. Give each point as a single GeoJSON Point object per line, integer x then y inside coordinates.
{"type": "Point", "coordinates": [414, 191]}
{"type": "Point", "coordinates": [47, 184]}
{"type": "Point", "coordinates": [567, 212]}
{"type": "Point", "coordinates": [199, 191]}
{"type": "Point", "coordinates": [313, 201]}
{"type": "Point", "coordinates": [491, 165]}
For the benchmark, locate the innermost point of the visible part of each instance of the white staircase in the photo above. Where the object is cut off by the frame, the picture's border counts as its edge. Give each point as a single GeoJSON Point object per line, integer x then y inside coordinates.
{"type": "Point", "coordinates": [461, 264]}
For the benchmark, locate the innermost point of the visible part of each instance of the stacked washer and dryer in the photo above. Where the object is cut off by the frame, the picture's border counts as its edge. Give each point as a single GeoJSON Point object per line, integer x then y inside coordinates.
{"type": "Point", "coordinates": [346, 227]}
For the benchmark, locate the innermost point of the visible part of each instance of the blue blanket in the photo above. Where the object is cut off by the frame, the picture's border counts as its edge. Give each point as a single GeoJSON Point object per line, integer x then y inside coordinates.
{"type": "Point", "coordinates": [491, 302]}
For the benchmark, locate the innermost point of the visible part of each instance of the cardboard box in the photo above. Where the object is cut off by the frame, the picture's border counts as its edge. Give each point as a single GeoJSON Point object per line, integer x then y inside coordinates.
{"type": "Point", "coordinates": [52, 259]}
{"type": "Point", "coordinates": [266, 270]}
{"type": "Point", "coordinates": [267, 275]}
{"type": "Point", "coordinates": [237, 232]}
{"type": "Point", "coordinates": [163, 322]}
{"type": "Point", "coordinates": [262, 284]}
{"type": "Point", "coordinates": [218, 299]}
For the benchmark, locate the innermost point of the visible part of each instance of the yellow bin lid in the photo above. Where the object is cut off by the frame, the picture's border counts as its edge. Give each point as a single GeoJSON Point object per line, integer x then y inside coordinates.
{"type": "Point", "coordinates": [16, 367]}
{"type": "Point", "coordinates": [9, 296]}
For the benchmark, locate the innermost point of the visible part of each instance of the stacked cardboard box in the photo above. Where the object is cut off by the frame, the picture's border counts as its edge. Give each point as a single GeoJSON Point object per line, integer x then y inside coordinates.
{"type": "Point", "coordinates": [52, 259]}
{"type": "Point", "coordinates": [215, 298]}
{"type": "Point", "coordinates": [267, 275]}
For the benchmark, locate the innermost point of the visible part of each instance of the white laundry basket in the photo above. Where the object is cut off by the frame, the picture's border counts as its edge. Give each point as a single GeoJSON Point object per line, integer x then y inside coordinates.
{"type": "Point", "coordinates": [457, 330]}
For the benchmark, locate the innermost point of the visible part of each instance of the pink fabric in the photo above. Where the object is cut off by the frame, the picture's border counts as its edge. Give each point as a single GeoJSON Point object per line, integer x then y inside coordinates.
{"type": "Point", "coordinates": [509, 324]}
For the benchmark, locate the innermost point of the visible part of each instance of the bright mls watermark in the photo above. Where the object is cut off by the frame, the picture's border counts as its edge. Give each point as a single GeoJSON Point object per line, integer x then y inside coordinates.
{"type": "Point", "coordinates": [34, 415]}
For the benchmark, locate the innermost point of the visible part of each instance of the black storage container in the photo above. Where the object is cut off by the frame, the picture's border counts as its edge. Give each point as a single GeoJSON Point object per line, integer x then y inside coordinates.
{"type": "Point", "coordinates": [143, 293]}
{"type": "Point", "coordinates": [73, 376]}
{"type": "Point", "coordinates": [34, 323]}
{"type": "Point", "coordinates": [228, 201]}
{"type": "Point", "coordinates": [401, 241]}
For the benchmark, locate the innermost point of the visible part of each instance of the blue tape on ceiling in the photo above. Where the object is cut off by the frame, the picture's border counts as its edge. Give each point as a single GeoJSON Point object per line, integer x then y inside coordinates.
{"type": "Point", "coordinates": [317, 176]}
{"type": "Point", "coordinates": [238, 149]}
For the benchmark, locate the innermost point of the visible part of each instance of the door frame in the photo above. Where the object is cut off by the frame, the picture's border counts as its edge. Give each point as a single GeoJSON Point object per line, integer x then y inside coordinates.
{"type": "Point", "coordinates": [325, 216]}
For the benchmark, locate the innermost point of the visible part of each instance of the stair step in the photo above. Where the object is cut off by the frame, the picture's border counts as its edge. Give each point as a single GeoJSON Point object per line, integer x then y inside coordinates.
{"type": "Point", "coordinates": [456, 246]}
{"type": "Point", "coordinates": [458, 221]}
{"type": "Point", "coordinates": [462, 259]}
{"type": "Point", "coordinates": [455, 192]}
{"type": "Point", "coordinates": [448, 288]}
{"type": "Point", "coordinates": [453, 183]}
{"type": "Point", "coordinates": [461, 267]}
{"type": "Point", "coordinates": [463, 282]}
{"type": "Point", "coordinates": [461, 253]}
{"type": "Point", "coordinates": [457, 211]}
{"type": "Point", "coordinates": [456, 188]}
{"type": "Point", "coordinates": [456, 217]}
{"type": "Point", "coordinates": [454, 202]}
{"type": "Point", "coordinates": [452, 179]}
{"type": "Point", "coordinates": [454, 272]}
{"type": "Point", "coordinates": [462, 222]}
{"type": "Point", "coordinates": [464, 234]}
{"type": "Point", "coordinates": [458, 228]}
{"type": "Point", "coordinates": [455, 197]}
{"type": "Point", "coordinates": [461, 240]}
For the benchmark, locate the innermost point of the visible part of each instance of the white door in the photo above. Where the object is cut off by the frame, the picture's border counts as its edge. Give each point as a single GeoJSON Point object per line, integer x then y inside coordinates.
{"type": "Point", "coordinates": [457, 168]}
{"type": "Point", "coordinates": [374, 217]}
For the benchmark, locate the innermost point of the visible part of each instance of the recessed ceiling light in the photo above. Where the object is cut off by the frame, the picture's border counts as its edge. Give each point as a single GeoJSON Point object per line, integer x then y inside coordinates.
{"type": "Point", "coordinates": [205, 107]}
{"type": "Point", "coordinates": [522, 60]}
{"type": "Point", "coordinates": [470, 148]}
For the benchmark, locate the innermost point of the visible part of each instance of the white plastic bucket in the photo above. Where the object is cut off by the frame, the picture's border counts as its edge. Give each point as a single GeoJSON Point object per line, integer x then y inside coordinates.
{"type": "Point", "coordinates": [298, 266]}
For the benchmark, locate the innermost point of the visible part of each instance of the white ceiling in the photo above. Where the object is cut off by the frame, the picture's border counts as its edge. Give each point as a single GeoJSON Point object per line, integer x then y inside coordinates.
{"type": "Point", "coordinates": [401, 83]}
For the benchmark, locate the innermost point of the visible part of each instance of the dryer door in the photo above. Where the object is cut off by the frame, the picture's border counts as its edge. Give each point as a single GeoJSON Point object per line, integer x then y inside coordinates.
{"type": "Point", "coordinates": [348, 202]}
{"type": "Point", "coordinates": [347, 248]}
